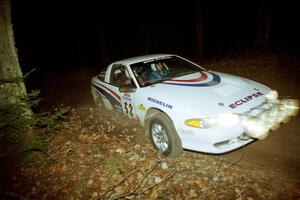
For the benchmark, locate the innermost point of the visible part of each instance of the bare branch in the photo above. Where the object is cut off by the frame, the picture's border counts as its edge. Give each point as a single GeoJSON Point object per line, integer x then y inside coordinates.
{"type": "Point", "coordinates": [118, 184]}
{"type": "Point", "coordinates": [234, 162]}
{"type": "Point", "coordinates": [145, 176]}
{"type": "Point", "coordinates": [154, 185]}
{"type": "Point", "coordinates": [132, 192]}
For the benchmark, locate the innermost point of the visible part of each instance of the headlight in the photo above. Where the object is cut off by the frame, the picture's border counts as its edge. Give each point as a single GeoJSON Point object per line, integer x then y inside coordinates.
{"type": "Point", "coordinates": [200, 123]}
{"type": "Point", "coordinates": [224, 120]}
{"type": "Point", "coordinates": [272, 95]}
{"type": "Point", "coordinates": [255, 128]}
{"type": "Point", "coordinates": [197, 123]}
{"type": "Point", "coordinates": [291, 106]}
{"type": "Point", "coordinates": [269, 119]}
{"type": "Point", "coordinates": [228, 119]}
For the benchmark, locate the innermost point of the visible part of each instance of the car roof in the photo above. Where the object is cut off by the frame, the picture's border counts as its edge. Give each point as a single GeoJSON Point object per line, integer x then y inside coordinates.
{"type": "Point", "coordinates": [129, 61]}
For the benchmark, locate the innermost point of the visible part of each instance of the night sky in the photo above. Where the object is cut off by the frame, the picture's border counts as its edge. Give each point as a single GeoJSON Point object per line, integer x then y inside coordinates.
{"type": "Point", "coordinates": [56, 35]}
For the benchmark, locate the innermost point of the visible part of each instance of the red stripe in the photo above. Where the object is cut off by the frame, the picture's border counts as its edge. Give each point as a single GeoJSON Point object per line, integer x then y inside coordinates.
{"type": "Point", "coordinates": [202, 77]}
{"type": "Point", "coordinates": [114, 94]}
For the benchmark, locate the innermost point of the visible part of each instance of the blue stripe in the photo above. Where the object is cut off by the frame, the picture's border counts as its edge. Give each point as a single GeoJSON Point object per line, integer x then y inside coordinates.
{"type": "Point", "coordinates": [111, 99]}
{"type": "Point", "coordinates": [216, 80]}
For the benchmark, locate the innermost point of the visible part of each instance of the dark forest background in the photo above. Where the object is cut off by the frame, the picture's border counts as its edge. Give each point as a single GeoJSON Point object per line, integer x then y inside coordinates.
{"type": "Point", "coordinates": [76, 34]}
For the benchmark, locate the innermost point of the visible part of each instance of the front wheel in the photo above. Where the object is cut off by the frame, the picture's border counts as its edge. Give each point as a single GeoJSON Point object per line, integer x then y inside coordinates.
{"type": "Point", "coordinates": [164, 136]}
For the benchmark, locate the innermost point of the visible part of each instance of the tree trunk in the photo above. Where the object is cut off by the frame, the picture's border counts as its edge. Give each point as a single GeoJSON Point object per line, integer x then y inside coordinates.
{"type": "Point", "coordinates": [147, 40]}
{"type": "Point", "coordinates": [9, 63]}
{"type": "Point", "coordinates": [199, 31]}
{"type": "Point", "coordinates": [263, 25]}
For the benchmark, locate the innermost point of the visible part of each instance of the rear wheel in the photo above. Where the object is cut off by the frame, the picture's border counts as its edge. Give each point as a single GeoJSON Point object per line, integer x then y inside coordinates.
{"type": "Point", "coordinates": [163, 135]}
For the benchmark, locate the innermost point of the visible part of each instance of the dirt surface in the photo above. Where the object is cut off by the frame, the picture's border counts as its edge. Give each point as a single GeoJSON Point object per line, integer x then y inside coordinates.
{"type": "Point", "coordinates": [96, 152]}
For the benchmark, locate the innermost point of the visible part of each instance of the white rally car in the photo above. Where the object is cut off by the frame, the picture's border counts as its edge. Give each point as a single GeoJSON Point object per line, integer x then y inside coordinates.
{"type": "Point", "coordinates": [182, 105]}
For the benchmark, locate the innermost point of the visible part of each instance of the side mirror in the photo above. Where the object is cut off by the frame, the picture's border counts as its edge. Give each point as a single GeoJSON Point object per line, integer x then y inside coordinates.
{"type": "Point", "coordinates": [127, 88]}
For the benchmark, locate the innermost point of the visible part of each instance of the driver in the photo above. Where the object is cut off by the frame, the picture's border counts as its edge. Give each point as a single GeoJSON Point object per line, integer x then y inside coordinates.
{"type": "Point", "coordinates": [128, 80]}
{"type": "Point", "coordinates": [159, 73]}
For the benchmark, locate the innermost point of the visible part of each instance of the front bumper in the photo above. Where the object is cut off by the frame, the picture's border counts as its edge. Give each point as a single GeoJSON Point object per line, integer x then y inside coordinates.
{"type": "Point", "coordinates": [215, 140]}
{"type": "Point", "coordinates": [254, 124]}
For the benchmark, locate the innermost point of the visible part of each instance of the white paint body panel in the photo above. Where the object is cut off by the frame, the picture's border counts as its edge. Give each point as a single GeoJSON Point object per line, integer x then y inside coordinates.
{"type": "Point", "coordinates": [182, 102]}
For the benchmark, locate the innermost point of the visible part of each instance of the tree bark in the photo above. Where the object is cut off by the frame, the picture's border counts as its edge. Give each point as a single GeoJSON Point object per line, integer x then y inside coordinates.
{"type": "Point", "coordinates": [199, 31]}
{"type": "Point", "coordinates": [9, 63]}
{"type": "Point", "coordinates": [263, 25]}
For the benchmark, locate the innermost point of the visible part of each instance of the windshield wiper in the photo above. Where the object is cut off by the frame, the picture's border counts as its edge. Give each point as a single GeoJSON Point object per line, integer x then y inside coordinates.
{"type": "Point", "coordinates": [161, 80]}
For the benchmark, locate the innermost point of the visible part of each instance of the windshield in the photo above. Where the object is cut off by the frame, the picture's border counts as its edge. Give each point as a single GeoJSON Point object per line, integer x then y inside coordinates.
{"type": "Point", "coordinates": [161, 69]}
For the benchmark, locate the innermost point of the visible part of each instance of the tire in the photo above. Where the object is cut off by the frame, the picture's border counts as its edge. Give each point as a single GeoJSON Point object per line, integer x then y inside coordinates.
{"type": "Point", "coordinates": [163, 135]}
{"type": "Point", "coordinates": [97, 98]}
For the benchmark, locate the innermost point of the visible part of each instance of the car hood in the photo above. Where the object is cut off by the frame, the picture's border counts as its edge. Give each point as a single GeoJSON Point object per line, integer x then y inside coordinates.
{"type": "Point", "coordinates": [208, 93]}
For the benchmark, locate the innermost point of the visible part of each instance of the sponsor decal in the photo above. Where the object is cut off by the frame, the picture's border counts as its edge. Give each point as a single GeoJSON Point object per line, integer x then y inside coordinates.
{"type": "Point", "coordinates": [141, 107]}
{"type": "Point", "coordinates": [113, 97]}
{"type": "Point", "coordinates": [166, 105]}
{"type": "Point", "coordinates": [202, 77]}
{"type": "Point", "coordinates": [245, 100]}
{"type": "Point", "coordinates": [155, 59]}
{"type": "Point", "coordinates": [201, 81]}
{"type": "Point", "coordinates": [127, 97]}
{"type": "Point", "coordinates": [106, 89]}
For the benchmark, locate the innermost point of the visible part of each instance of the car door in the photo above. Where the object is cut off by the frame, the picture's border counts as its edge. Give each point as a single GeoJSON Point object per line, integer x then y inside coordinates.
{"type": "Point", "coordinates": [121, 79]}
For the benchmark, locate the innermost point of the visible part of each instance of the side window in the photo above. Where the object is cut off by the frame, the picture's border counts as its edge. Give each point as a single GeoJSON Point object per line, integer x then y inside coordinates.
{"type": "Point", "coordinates": [119, 76]}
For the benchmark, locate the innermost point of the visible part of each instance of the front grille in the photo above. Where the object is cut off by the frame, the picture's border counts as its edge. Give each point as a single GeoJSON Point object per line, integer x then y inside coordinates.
{"type": "Point", "coordinates": [259, 110]}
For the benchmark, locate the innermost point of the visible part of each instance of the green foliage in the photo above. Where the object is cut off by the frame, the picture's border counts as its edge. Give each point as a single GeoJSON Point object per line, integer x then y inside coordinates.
{"type": "Point", "coordinates": [15, 79]}
{"type": "Point", "coordinates": [49, 123]}
{"type": "Point", "coordinates": [35, 157]}
{"type": "Point", "coordinates": [31, 100]}
{"type": "Point", "coordinates": [33, 142]}
{"type": "Point", "coordinates": [17, 120]}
